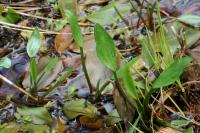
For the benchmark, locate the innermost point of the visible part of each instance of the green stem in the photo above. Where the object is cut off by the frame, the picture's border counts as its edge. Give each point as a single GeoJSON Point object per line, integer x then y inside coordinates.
{"type": "Point", "coordinates": [117, 11]}
{"type": "Point", "coordinates": [121, 90]}
{"type": "Point", "coordinates": [147, 97]}
{"type": "Point", "coordinates": [85, 69]}
{"type": "Point", "coordinates": [101, 89]}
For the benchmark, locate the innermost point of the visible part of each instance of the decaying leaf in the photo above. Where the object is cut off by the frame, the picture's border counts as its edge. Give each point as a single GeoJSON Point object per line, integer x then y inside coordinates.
{"type": "Point", "coordinates": [113, 118]}
{"type": "Point", "coordinates": [107, 14]}
{"type": "Point", "coordinates": [125, 111]}
{"type": "Point", "coordinates": [93, 123]}
{"type": "Point", "coordinates": [67, 4]}
{"type": "Point", "coordinates": [168, 130]}
{"type": "Point", "coordinates": [93, 2]}
{"type": "Point", "coordinates": [38, 115]}
{"type": "Point", "coordinates": [64, 41]}
{"type": "Point", "coordinates": [74, 108]}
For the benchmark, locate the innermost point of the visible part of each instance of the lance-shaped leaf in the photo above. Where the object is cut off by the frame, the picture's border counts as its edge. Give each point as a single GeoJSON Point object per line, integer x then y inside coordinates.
{"type": "Point", "coordinates": [76, 31]}
{"type": "Point", "coordinates": [172, 73]}
{"type": "Point", "coordinates": [129, 83]}
{"type": "Point", "coordinates": [33, 45]}
{"type": "Point", "coordinates": [193, 20]}
{"type": "Point", "coordinates": [105, 47]}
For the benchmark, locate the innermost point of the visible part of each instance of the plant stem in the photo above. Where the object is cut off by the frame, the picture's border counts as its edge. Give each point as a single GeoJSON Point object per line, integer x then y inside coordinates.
{"type": "Point", "coordinates": [101, 89]}
{"type": "Point", "coordinates": [121, 90]}
{"type": "Point", "coordinates": [85, 69]}
{"type": "Point", "coordinates": [117, 11]}
{"type": "Point", "coordinates": [147, 97]}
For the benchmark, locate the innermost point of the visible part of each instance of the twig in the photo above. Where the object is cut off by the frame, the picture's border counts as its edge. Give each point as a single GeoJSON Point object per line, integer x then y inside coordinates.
{"type": "Point", "coordinates": [17, 87]}
{"type": "Point", "coordinates": [191, 82]}
{"type": "Point", "coordinates": [25, 1]}
{"type": "Point", "coordinates": [25, 28]}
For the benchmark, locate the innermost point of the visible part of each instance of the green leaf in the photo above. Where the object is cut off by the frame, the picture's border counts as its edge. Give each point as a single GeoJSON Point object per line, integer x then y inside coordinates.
{"type": "Point", "coordinates": [172, 73]}
{"type": "Point", "coordinates": [38, 115]}
{"type": "Point", "coordinates": [74, 108]}
{"type": "Point", "coordinates": [121, 70]}
{"type": "Point", "coordinates": [189, 130]}
{"type": "Point", "coordinates": [105, 47]}
{"type": "Point", "coordinates": [180, 123]}
{"type": "Point", "coordinates": [193, 20]}
{"type": "Point", "coordinates": [47, 69]}
{"type": "Point", "coordinates": [76, 31]}
{"type": "Point", "coordinates": [129, 84]}
{"type": "Point", "coordinates": [108, 15]}
{"type": "Point", "coordinates": [33, 69]}
{"type": "Point", "coordinates": [1, 9]}
{"type": "Point", "coordinates": [50, 65]}
{"type": "Point", "coordinates": [12, 16]}
{"type": "Point", "coordinates": [5, 62]}
{"type": "Point", "coordinates": [113, 118]}
{"type": "Point", "coordinates": [33, 45]}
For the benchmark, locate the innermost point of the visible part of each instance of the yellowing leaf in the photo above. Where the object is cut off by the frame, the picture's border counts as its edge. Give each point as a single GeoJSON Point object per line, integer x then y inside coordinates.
{"type": "Point", "coordinates": [78, 107]}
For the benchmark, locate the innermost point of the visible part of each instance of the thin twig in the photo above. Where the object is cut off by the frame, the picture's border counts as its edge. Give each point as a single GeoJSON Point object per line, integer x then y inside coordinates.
{"type": "Point", "coordinates": [191, 82]}
{"type": "Point", "coordinates": [29, 29]}
{"type": "Point", "coordinates": [25, 1]}
{"type": "Point", "coordinates": [17, 87]}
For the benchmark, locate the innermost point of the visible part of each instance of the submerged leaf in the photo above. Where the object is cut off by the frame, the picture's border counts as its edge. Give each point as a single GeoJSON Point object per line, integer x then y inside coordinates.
{"type": "Point", "coordinates": [172, 73]}
{"type": "Point", "coordinates": [105, 47]}
{"type": "Point", "coordinates": [33, 45]}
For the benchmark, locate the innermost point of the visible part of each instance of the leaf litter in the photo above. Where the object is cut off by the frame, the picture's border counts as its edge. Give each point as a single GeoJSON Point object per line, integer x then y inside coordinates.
{"type": "Point", "coordinates": [70, 107]}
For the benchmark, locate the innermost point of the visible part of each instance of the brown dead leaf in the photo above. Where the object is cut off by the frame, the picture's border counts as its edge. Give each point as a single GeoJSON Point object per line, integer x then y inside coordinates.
{"type": "Point", "coordinates": [23, 22]}
{"type": "Point", "coordinates": [93, 2]}
{"type": "Point", "coordinates": [176, 8]}
{"type": "Point", "coordinates": [168, 130]}
{"type": "Point", "coordinates": [67, 4]}
{"type": "Point", "coordinates": [64, 41]}
{"type": "Point", "coordinates": [195, 53]}
{"type": "Point", "coordinates": [93, 123]}
{"type": "Point", "coordinates": [125, 111]}
{"type": "Point", "coordinates": [5, 51]}
{"type": "Point", "coordinates": [74, 61]}
{"type": "Point", "coordinates": [105, 130]}
{"type": "Point", "coordinates": [60, 125]}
